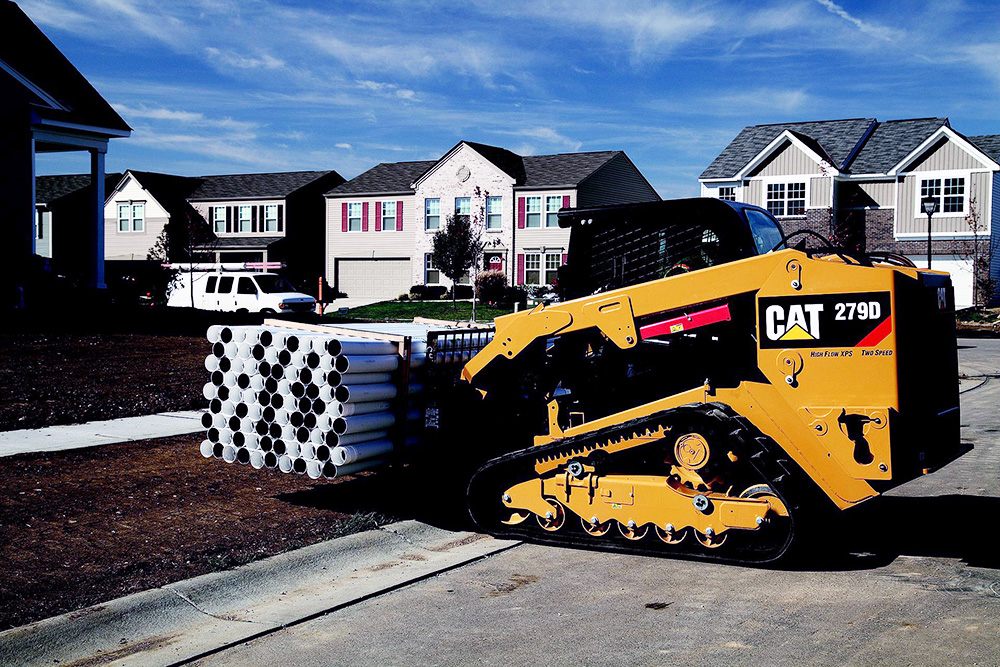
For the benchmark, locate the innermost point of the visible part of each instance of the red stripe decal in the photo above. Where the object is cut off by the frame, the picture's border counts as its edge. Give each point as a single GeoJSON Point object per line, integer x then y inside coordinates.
{"type": "Point", "coordinates": [877, 335]}
{"type": "Point", "coordinates": [686, 322]}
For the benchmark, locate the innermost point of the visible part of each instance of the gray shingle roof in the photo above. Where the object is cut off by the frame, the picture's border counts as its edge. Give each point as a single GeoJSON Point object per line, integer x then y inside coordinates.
{"type": "Point", "coordinates": [563, 168]}
{"type": "Point", "coordinates": [50, 188]}
{"type": "Point", "coordinates": [254, 186]}
{"type": "Point", "coordinates": [510, 163]}
{"type": "Point", "coordinates": [891, 142]}
{"type": "Point", "coordinates": [385, 177]}
{"type": "Point", "coordinates": [242, 242]}
{"type": "Point", "coordinates": [835, 138]}
{"type": "Point", "coordinates": [989, 144]}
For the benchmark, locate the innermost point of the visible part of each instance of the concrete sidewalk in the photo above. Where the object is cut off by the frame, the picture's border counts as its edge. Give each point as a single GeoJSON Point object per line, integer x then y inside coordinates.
{"type": "Point", "coordinates": [76, 436]}
{"type": "Point", "coordinates": [189, 619]}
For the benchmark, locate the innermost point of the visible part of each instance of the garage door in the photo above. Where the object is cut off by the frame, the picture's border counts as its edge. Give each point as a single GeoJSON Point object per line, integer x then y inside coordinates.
{"type": "Point", "coordinates": [373, 278]}
{"type": "Point", "coordinates": [961, 274]}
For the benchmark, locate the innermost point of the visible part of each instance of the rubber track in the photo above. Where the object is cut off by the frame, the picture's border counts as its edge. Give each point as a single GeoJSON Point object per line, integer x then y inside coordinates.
{"type": "Point", "coordinates": [742, 547]}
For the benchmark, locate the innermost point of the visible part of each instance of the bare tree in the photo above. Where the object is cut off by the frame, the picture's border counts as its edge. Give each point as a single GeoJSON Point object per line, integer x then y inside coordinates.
{"type": "Point", "coordinates": [978, 255]}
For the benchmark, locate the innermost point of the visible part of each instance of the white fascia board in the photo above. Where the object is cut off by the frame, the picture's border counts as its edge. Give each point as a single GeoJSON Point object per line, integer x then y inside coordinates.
{"type": "Point", "coordinates": [866, 177]}
{"type": "Point", "coordinates": [952, 135]}
{"type": "Point", "coordinates": [774, 145]}
{"type": "Point", "coordinates": [127, 175]}
{"type": "Point", "coordinates": [733, 179]}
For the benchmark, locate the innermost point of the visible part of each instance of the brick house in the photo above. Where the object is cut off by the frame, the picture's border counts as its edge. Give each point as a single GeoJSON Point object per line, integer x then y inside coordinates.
{"type": "Point", "coordinates": [380, 225]}
{"type": "Point", "coordinates": [863, 179]}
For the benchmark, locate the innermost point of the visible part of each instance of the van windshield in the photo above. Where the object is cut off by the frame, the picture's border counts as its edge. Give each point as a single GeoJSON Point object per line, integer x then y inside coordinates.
{"type": "Point", "coordinates": [273, 284]}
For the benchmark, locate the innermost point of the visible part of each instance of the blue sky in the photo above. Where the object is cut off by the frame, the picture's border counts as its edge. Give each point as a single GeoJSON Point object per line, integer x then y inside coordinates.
{"type": "Point", "coordinates": [220, 86]}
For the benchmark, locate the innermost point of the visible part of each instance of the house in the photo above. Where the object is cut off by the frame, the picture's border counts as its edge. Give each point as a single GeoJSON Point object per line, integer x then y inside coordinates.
{"type": "Point", "coordinates": [860, 181]}
{"type": "Point", "coordinates": [47, 106]}
{"type": "Point", "coordinates": [62, 210]}
{"type": "Point", "coordinates": [139, 207]}
{"type": "Point", "coordinates": [380, 225]}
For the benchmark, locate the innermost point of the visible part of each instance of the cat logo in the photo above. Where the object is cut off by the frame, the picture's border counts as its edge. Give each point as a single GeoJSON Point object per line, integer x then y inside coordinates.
{"type": "Point", "coordinates": [800, 322]}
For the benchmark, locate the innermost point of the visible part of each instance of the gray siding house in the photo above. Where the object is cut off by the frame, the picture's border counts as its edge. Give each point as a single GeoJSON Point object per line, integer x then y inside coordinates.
{"type": "Point", "coordinates": [380, 225]}
{"type": "Point", "coordinates": [860, 182]}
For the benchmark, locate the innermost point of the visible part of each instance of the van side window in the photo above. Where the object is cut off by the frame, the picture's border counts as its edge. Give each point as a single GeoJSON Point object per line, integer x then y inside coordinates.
{"type": "Point", "coordinates": [246, 286]}
{"type": "Point", "coordinates": [210, 284]}
{"type": "Point", "coordinates": [225, 285]}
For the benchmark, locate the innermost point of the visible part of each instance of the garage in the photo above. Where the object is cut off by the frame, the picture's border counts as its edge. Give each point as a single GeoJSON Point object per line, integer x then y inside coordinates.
{"type": "Point", "coordinates": [960, 270]}
{"type": "Point", "coordinates": [379, 278]}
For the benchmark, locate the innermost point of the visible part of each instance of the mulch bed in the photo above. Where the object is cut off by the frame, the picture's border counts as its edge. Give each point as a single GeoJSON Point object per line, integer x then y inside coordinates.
{"type": "Point", "coordinates": [65, 378]}
{"type": "Point", "coordinates": [90, 525]}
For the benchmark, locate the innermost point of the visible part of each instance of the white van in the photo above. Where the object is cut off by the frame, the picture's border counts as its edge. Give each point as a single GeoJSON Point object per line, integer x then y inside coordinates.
{"type": "Point", "coordinates": [239, 292]}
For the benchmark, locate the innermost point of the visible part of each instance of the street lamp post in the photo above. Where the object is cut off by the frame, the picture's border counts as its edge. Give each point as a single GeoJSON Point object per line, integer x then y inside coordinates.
{"type": "Point", "coordinates": [930, 206]}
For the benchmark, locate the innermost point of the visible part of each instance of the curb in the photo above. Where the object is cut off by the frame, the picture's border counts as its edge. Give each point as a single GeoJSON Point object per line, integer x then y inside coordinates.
{"type": "Point", "coordinates": [191, 619]}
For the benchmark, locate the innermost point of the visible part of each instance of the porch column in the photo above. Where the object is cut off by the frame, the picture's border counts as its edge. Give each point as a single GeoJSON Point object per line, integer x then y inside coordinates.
{"type": "Point", "coordinates": [17, 204]}
{"type": "Point", "coordinates": [95, 273]}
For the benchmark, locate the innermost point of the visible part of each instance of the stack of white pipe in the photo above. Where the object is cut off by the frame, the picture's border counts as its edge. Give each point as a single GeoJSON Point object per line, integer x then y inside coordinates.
{"type": "Point", "coordinates": [311, 403]}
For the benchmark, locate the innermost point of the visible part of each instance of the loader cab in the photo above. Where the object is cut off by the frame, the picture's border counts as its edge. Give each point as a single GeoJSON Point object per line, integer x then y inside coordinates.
{"type": "Point", "coordinates": [616, 246]}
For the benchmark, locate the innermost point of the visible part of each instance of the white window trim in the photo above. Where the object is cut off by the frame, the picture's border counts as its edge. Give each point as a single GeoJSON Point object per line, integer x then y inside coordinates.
{"type": "Point", "coordinates": [546, 211]}
{"type": "Point", "coordinates": [360, 217]}
{"type": "Point", "coordinates": [265, 229]}
{"type": "Point", "coordinates": [918, 210]}
{"type": "Point", "coordinates": [431, 230]}
{"type": "Point", "coordinates": [392, 206]}
{"type": "Point", "coordinates": [541, 211]}
{"type": "Point", "coordinates": [215, 219]}
{"type": "Point", "coordinates": [776, 180]}
{"type": "Point", "coordinates": [236, 226]}
{"type": "Point", "coordinates": [542, 254]}
{"type": "Point", "coordinates": [494, 230]}
{"type": "Point", "coordinates": [131, 219]}
{"type": "Point", "coordinates": [429, 266]}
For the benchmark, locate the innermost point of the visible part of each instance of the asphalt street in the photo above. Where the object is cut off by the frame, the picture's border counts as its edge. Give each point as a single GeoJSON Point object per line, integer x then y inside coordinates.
{"type": "Point", "coordinates": [921, 587]}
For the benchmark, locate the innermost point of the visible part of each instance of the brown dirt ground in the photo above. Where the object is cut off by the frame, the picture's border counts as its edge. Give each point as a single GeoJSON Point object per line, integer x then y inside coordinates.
{"type": "Point", "coordinates": [90, 525]}
{"type": "Point", "coordinates": [66, 378]}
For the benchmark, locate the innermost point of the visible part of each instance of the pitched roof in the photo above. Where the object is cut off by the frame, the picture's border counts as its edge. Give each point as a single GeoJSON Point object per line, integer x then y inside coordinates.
{"type": "Point", "coordinates": [254, 186]}
{"type": "Point", "coordinates": [28, 52]}
{"type": "Point", "coordinates": [385, 177]}
{"type": "Point", "coordinates": [834, 139]}
{"type": "Point", "coordinates": [50, 188]}
{"type": "Point", "coordinates": [989, 144]}
{"type": "Point", "coordinates": [892, 141]}
{"type": "Point", "coordinates": [170, 191]}
{"type": "Point", "coordinates": [229, 242]}
{"type": "Point", "coordinates": [563, 169]}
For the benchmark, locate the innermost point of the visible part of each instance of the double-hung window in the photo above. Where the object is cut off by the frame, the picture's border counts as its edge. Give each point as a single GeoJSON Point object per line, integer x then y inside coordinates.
{"type": "Point", "coordinates": [431, 275]}
{"type": "Point", "coordinates": [219, 222]}
{"type": "Point", "coordinates": [463, 208]}
{"type": "Point", "coordinates": [494, 208]}
{"type": "Point", "coordinates": [533, 211]}
{"type": "Point", "coordinates": [727, 193]}
{"type": "Point", "coordinates": [245, 218]}
{"type": "Point", "coordinates": [432, 213]}
{"type": "Point", "coordinates": [388, 216]}
{"type": "Point", "coordinates": [533, 268]}
{"type": "Point", "coordinates": [552, 206]}
{"type": "Point", "coordinates": [131, 216]}
{"type": "Point", "coordinates": [949, 193]}
{"type": "Point", "coordinates": [786, 198]}
{"type": "Point", "coordinates": [354, 217]}
{"type": "Point", "coordinates": [271, 218]}
{"type": "Point", "coordinates": [553, 260]}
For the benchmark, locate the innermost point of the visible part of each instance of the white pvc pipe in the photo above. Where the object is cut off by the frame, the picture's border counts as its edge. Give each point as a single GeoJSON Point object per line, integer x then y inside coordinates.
{"type": "Point", "coordinates": [365, 392]}
{"type": "Point", "coordinates": [271, 355]}
{"type": "Point", "coordinates": [365, 378]}
{"type": "Point", "coordinates": [345, 454]}
{"type": "Point", "coordinates": [254, 411]}
{"type": "Point", "coordinates": [298, 359]}
{"type": "Point", "coordinates": [317, 436]}
{"type": "Point", "coordinates": [314, 469]}
{"type": "Point", "coordinates": [367, 364]}
{"type": "Point", "coordinates": [212, 363]}
{"type": "Point", "coordinates": [363, 436]}
{"type": "Point", "coordinates": [225, 436]}
{"type": "Point", "coordinates": [219, 420]}
{"type": "Point", "coordinates": [348, 409]}
{"type": "Point", "coordinates": [284, 387]}
{"type": "Point", "coordinates": [257, 459]}
{"type": "Point", "coordinates": [288, 433]}
{"type": "Point", "coordinates": [299, 465]}
{"type": "Point", "coordinates": [360, 466]}
{"type": "Point", "coordinates": [206, 448]}
{"type": "Point", "coordinates": [243, 351]}
{"type": "Point", "coordinates": [289, 402]}
{"type": "Point", "coordinates": [248, 395]}
{"type": "Point", "coordinates": [362, 346]}
{"type": "Point", "coordinates": [292, 448]}
{"type": "Point", "coordinates": [307, 451]}
{"type": "Point", "coordinates": [228, 453]}
{"type": "Point", "coordinates": [213, 333]}
{"type": "Point", "coordinates": [229, 379]}
{"type": "Point", "coordinates": [239, 334]}
{"type": "Point", "coordinates": [324, 421]}
{"type": "Point", "coordinates": [326, 392]}
{"type": "Point", "coordinates": [228, 408]}
{"type": "Point", "coordinates": [280, 416]}
{"type": "Point", "coordinates": [291, 373]}
{"type": "Point", "coordinates": [209, 391]}
{"type": "Point", "coordinates": [257, 382]}
{"type": "Point", "coordinates": [327, 362]}
{"type": "Point", "coordinates": [358, 423]}
{"type": "Point", "coordinates": [285, 463]}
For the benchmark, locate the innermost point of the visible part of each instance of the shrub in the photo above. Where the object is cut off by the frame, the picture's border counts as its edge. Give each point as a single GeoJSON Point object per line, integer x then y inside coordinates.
{"type": "Point", "coordinates": [491, 286]}
{"type": "Point", "coordinates": [403, 297]}
{"type": "Point", "coordinates": [435, 291]}
{"type": "Point", "coordinates": [418, 292]}
{"type": "Point", "coordinates": [515, 294]}
{"type": "Point", "coordinates": [461, 292]}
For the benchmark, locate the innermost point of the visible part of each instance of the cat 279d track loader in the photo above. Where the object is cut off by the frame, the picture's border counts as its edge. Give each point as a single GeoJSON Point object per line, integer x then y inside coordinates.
{"type": "Point", "coordinates": [708, 387]}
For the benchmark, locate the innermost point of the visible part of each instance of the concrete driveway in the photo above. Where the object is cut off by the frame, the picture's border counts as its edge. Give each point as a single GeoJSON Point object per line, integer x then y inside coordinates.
{"type": "Point", "coordinates": [923, 588]}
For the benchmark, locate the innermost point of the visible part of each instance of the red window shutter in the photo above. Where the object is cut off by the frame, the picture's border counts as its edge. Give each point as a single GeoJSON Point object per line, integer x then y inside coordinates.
{"type": "Point", "coordinates": [343, 210]}
{"type": "Point", "coordinates": [364, 217]}
{"type": "Point", "coordinates": [565, 258]}
{"type": "Point", "coordinates": [399, 215]}
{"type": "Point", "coordinates": [520, 266]}
{"type": "Point", "coordinates": [565, 201]}
{"type": "Point", "coordinates": [378, 216]}
{"type": "Point", "coordinates": [520, 214]}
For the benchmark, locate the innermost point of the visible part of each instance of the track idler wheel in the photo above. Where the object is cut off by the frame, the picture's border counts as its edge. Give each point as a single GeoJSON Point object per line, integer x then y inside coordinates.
{"type": "Point", "coordinates": [630, 531]}
{"type": "Point", "coordinates": [553, 519]}
{"type": "Point", "coordinates": [595, 528]}
{"type": "Point", "coordinates": [710, 539]}
{"type": "Point", "coordinates": [670, 535]}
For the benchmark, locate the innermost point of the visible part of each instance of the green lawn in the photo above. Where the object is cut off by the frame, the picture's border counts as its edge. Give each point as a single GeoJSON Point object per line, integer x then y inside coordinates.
{"type": "Point", "coordinates": [407, 310]}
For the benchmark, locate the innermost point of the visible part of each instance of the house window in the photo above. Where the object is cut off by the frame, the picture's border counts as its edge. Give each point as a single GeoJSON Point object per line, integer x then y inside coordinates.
{"type": "Point", "coordinates": [552, 206]}
{"type": "Point", "coordinates": [431, 275]}
{"type": "Point", "coordinates": [463, 207]}
{"type": "Point", "coordinates": [786, 199]}
{"type": "Point", "coordinates": [727, 193]}
{"type": "Point", "coordinates": [952, 189]}
{"type": "Point", "coordinates": [271, 218]}
{"type": "Point", "coordinates": [388, 216]}
{"type": "Point", "coordinates": [552, 263]}
{"type": "Point", "coordinates": [532, 268]}
{"type": "Point", "coordinates": [220, 219]}
{"type": "Point", "coordinates": [131, 217]}
{"type": "Point", "coordinates": [493, 212]}
{"type": "Point", "coordinates": [432, 213]}
{"type": "Point", "coordinates": [533, 211]}
{"type": "Point", "coordinates": [354, 217]}
{"type": "Point", "coordinates": [245, 218]}
{"type": "Point", "coordinates": [39, 226]}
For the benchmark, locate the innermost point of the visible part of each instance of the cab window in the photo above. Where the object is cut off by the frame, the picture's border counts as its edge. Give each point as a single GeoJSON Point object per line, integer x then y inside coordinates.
{"type": "Point", "coordinates": [225, 285]}
{"type": "Point", "coordinates": [765, 231]}
{"type": "Point", "coordinates": [246, 286]}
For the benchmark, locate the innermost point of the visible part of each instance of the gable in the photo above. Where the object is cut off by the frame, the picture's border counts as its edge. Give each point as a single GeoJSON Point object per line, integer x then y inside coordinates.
{"type": "Point", "coordinates": [944, 155]}
{"type": "Point", "coordinates": [130, 189]}
{"type": "Point", "coordinates": [463, 166]}
{"type": "Point", "coordinates": [786, 161]}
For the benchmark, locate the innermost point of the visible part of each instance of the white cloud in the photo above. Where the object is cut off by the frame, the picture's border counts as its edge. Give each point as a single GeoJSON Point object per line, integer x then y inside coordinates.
{"type": "Point", "coordinates": [189, 117]}
{"type": "Point", "coordinates": [545, 135]}
{"type": "Point", "coordinates": [233, 59]}
{"type": "Point", "coordinates": [876, 31]}
{"type": "Point", "coordinates": [344, 146]}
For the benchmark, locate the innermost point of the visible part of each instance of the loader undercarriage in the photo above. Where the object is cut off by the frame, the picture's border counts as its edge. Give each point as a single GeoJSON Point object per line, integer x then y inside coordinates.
{"type": "Point", "coordinates": [695, 481]}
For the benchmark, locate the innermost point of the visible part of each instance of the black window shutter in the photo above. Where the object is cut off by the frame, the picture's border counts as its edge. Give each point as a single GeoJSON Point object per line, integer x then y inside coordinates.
{"type": "Point", "coordinates": [281, 222]}
{"type": "Point", "coordinates": [229, 219]}
{"type": "Point", "coordinates": [211, 218]}
{"type": "Point", "coordinates": [253, 219]}
{"type": "Point", "coordinates": [262, 217]}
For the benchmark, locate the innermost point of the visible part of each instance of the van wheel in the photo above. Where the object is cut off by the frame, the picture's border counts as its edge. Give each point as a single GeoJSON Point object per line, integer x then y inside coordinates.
{"type": "Point", "coordinates": [268, 311]}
